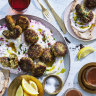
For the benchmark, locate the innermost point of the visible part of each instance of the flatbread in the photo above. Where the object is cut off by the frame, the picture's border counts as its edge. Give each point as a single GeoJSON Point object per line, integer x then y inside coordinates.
{"type": "Point", "coordinates": [4, 78]}
{"type": "Point", "coordinates": [87, 35]}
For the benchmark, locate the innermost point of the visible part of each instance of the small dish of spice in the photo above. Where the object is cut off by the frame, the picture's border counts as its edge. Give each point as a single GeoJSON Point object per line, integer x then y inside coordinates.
{"type": "Point", "coordinates": [73, 92]}
{"type": "Point", "coordinates": [52, 84]}
{"type": "Point", "coordinates": [91, 76]}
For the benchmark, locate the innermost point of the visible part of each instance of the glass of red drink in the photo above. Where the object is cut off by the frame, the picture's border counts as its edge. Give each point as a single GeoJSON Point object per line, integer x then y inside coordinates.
{"type": "Point", "coordinates": [19, 5]}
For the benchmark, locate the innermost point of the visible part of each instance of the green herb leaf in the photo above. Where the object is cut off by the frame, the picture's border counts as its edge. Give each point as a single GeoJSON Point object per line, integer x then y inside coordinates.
{"type": "Point", "coordinates": [20, 47]}
{"type": "Point", "coordinates": [24, 51]}
{"type": "Point", "coordinates": [18, 52]}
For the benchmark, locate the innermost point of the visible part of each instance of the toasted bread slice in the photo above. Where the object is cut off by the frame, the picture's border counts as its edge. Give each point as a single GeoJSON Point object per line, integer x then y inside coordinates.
{"type": "Point", "coordinates": [87, 35]}
{"type": "Point", "coordinates": [5, 77]}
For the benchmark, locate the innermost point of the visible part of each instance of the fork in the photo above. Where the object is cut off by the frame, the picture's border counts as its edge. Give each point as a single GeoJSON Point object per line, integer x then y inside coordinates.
{"type": "Point", "coordinates": [45, 12]}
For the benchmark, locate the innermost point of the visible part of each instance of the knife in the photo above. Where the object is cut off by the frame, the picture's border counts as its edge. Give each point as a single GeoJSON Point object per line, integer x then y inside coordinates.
{"type": "Point", "coordinates": [58, 19]}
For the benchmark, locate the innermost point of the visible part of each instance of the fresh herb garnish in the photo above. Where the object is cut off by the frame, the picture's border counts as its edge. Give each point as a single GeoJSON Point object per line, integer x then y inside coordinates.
{"type": "Point", "coordinates": [18, 52]}
{"type": "Point", "coordinates": [20, 47]}
{"type": "Point", "coordinates": [24, 51]}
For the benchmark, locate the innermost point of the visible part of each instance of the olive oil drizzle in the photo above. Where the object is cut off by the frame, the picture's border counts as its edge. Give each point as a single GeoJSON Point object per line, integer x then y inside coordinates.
{"type": "Point", "coordinates": [12, 45]}
{"type": "Point", "coordinates": [62, 71]}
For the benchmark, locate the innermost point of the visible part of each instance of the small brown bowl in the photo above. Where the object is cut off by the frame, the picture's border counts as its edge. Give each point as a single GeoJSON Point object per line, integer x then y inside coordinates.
{"type": "Point", "coordinates": [91, 69]}
{"type": "Point", "coordinates": [60, 84]}
{"type": "Point", "coordinates": [74, 90]}
{"type": "Point", "coordinates": [81, 77]}
{"type": "Point", "coordinates": [85, 82]}
{"type": "Point", "coordinates": [17, 81]}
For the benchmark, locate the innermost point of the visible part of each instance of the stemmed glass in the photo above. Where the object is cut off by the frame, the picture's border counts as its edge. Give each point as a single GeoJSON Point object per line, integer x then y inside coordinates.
{"type": "Point", "coordinates": [19, 5]}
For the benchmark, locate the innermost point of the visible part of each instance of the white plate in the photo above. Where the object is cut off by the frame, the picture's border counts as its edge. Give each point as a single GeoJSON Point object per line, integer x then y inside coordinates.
{"type": "Point", "coordinates": [56, 34]}
{"type": "Point", "coordinates": [68, 26]}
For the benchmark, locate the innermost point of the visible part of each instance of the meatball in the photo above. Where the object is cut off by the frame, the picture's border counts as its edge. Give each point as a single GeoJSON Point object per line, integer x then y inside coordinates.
{"type": "Point", "coordinates": [30, 36]}
{"type": "Point", "coordinates": [39, 69]}
{"type": "Point", "coordinates": [13, 34]}
{"type": "Point", "coordinates": [26, 64]}
{"type": "Point", "coordinates": [35, 51]}
{"type": "Point", "coordinates": [23, 22]}
{"type": "Point", "coordinates": [59, 49]}
{"type": "Point", "coordinates": [8, 34]}
{"type": "Point", "coordinates": [85, 17]}
{"type": "Point", "coordinates": [90, 4]}
{"type": "Point", "coordinates": [13, 61]}
{"type": "Point", "coordinates": [17, 31]}
{"type": "Point", "coordinates": [10, 23]}
{"type": "Point", "coordinates": [47, 55]}
{"type": "Point", "coordinates": [5, 61]}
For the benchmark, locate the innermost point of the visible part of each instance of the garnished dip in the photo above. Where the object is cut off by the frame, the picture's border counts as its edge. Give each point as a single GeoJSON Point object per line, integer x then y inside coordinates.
{"type": "Point", "coordinates": [23, 45]}
{"type": "Point", "coordinates": [82, 19]}
{"type": "Point", "coordinates": [91, 76]}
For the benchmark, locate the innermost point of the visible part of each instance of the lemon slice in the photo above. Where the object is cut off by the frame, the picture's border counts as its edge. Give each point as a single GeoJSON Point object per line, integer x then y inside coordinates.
{"type": "Point", "coordinates": [19, 91]}
{"type": "Point", "coordinates": [33, 84]}
{"type": "Point", "coordinates": [28, 88]}
{"type": "Point", "coordinates": [84, 52]}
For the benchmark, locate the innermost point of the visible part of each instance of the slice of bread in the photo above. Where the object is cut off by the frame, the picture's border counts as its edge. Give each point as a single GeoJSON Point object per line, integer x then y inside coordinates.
{"type": "Point", "coordinates": [87, 35]}
{"type": "Point", "coordinates": [4, 84]}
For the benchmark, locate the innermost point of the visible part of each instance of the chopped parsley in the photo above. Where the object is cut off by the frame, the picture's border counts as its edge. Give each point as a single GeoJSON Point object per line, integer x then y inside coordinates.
{"type": "Point", "coordinates": [18, 53]}
{"type": "Point", "coordinates": [20, 47]}
{"type": "Point", "coordinates": [24, 51]}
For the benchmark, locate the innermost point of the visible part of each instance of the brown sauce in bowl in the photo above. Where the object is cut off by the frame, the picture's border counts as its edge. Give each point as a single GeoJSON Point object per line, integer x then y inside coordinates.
{"type": "Point", "coordinates": [91, 76]}
{"type": "Point", "coordinates": [73, 92]}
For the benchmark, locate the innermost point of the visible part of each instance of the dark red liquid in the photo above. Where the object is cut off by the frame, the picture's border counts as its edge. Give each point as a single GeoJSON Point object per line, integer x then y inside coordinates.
{"type": "Point", "coordinates": [19, 4]}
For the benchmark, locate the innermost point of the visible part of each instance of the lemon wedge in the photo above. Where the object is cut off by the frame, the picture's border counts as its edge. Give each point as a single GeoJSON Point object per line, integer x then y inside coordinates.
{"type": "Point", "coordinates": [19, 91]}
{"type": "Point", "coordinates": [25, 94]}
{"type": "Point", "coordinates": [84, 52]}
{"type": "Point", "coordinates": [33, 84]}
{"type": "Point", "coordinates": [28, 88]}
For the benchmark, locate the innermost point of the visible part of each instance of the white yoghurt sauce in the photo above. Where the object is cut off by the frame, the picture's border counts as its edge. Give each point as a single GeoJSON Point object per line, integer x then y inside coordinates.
{"type": "Point", "coordinates": [22, 46]}
{"type": "Point", "coordinates": [77, 25]}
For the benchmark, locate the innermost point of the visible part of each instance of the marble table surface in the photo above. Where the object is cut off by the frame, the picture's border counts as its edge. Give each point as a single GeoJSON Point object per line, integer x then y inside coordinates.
{"type": "Point", "coordinates": [59, 6]}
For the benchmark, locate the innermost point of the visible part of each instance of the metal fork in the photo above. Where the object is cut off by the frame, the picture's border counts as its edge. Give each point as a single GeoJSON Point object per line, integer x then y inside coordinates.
{"type": "Point", "coordinates": [45, 12]}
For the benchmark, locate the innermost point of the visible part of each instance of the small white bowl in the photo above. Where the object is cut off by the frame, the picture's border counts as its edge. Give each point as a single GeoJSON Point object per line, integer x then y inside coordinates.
{"type": "Point", "coordinates": [55, 84]}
